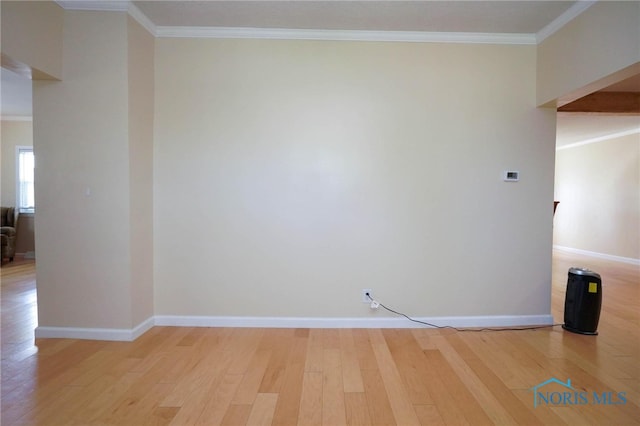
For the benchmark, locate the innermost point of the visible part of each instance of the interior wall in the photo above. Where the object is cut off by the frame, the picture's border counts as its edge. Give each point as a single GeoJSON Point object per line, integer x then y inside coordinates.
{"type": "Point", "coordinates": [598, 186]}
{"type": "Point", "coordinates": [32, 38]}
{"type": "Point", "coordinates": [13, 134]}
{"type": "Point", "coordinates": [299, 173]}
{"type": "Point", "coordinates": [289, 175]}
{"type": "Point", "coordinates": [140, 90]}
{"type": "Point", "coordinates": [82, 179]}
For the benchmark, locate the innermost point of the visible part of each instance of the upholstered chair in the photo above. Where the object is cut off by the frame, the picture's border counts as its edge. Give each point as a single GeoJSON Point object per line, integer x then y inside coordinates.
{"type": "Point", "coordinates": [8, 224]}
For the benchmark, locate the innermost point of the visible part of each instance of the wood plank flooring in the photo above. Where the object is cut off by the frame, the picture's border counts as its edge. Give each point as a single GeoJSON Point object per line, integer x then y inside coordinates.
{"type": "Point", "coordinates": [242, 376]}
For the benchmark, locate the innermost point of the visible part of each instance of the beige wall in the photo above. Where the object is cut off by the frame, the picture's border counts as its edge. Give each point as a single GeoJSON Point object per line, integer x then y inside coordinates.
{"type": "Point", "coordinates": [32, 37]}
{"type": "Point", "coordinates": [289, 175]}
{"type": "Point", "coordinates": [599, 47]}
{"type": "Point", "coordinates": [93, 181]}
{"type": "Point", "coordinates": [82, 185]}
{"type": "Point", "coordinates": [13, 134]}
{"type": "Point", "coordinates": [141, 88]}
{"type": "Point", "coordinates": [598, 186]}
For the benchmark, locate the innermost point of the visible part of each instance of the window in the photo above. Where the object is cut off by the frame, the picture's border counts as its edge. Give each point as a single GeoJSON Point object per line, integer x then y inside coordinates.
{"type": "Point", "coordinates": [25, 188]}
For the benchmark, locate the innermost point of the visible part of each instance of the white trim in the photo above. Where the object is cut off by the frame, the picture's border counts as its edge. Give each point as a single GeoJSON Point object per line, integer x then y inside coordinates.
{"type": "Point", "coordinates": [334, 35]}
{"type": "Point", "coordinates": [42, 332]}
{"type": "Point", "coordinates": [95, 5]}
{"type": "Point", "coordinates": [29, 255]}
{"type": "Point", "coordinates": [629, 260]}
{"type": "Point", "coordinates": [16, 118]}
{"type": "Point", "coordinates": [562, 20]}
{"type": "Point", "coordinates": [344, 35]}
{"type": "Point", "coordinates": [128, 335]}
{"type": "Point", "coordinates": [600, 139]}
{"type": "Point", "coordinates": [110, 6]}
{"type": "Point", "coordinates": [143, 327]}
{"type": "Point", "coordinates": [114, 334]}
{"type": "Point", "coordinates": [142, 19]}
{"type": "Point", "coordinates": [365, 322]}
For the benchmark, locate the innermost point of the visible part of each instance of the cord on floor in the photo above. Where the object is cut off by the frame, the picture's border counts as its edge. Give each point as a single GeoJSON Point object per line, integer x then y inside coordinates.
{"type": "Point", "coordinates": [535, 327]}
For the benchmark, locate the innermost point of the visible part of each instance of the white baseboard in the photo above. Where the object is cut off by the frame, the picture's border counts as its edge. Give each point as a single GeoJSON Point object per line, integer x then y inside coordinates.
{"type": "Point", "coordinates": [129, 335]}
{"type": "Point", "coordinates": [629, 260]}
{"type": "Point", "coordinates": [143, 327]}
{"type": "Point", "coordinates": [27, 255]}
{"type": "Point", "coordinates": [117, 334]}
{"type": "Point", "coordinates": [367, 322]}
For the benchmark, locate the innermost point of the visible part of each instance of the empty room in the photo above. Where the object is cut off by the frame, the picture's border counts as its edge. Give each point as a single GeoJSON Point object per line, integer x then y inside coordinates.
{"type": "Point", "coordinates": [322, 213]}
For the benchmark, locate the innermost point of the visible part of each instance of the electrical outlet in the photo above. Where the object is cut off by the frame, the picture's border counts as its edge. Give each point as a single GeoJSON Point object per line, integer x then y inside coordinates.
{"type": "Point", "coordinates": [365, 298]}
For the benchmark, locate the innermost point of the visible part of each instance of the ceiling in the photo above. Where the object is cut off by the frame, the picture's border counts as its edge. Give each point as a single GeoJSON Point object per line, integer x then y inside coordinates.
{"type": "Point", "coordinates": [576, 128]}
{"type": "Point", "coordinates": [15, 95]}
{"type": "Point", "coordinates": [430, 16]}
{"type": "Point", "coordinates": [479, 16]}
{"type": "Point", "coordinates": [585, 128]}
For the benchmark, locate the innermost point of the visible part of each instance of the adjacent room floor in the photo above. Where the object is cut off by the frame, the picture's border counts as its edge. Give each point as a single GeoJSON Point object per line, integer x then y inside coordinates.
{"type": "Point", "coordinates": [210, 376]}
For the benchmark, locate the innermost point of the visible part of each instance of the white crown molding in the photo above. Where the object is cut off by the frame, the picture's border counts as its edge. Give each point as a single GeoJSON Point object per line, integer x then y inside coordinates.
{"type": "Point", "coordinates": [628, 260]}
{"type": "Point", "coordinates": [110, 6]}
{"type": "Point", "coordinates": [562, 20]}
{"type": "Point", "coordinates": [344, 35]}
{"type": "Point", "coordinates": [95, 5]}
{"type": "Point", "coordinates": [142, 19]}
{"type": "Point", "coordinates": [16, 118]}
{"type": "Point", "coordinates": [600, 139]}
{"type": "Point", "coordinates": [295, 34]}
{"type": "Point", "coordinates": [328, 35]}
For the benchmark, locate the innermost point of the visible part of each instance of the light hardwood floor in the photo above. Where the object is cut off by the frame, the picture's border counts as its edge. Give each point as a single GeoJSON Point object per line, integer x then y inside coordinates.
{"type": "Point", "coordinates": [229, 376]}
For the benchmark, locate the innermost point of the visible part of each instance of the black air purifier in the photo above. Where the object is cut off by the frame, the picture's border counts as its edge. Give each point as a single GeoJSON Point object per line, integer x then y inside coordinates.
{"type": "Point", "coordinates": [583, 301]}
